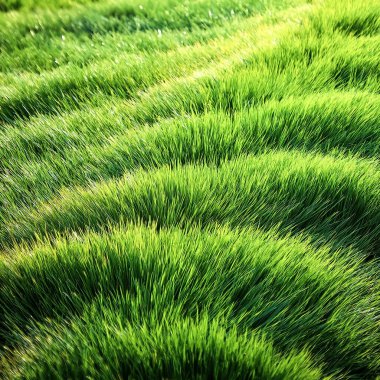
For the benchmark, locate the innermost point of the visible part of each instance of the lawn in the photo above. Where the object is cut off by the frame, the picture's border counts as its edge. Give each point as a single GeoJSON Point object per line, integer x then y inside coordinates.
{"type": "Point", "coordinates": [190, 189]}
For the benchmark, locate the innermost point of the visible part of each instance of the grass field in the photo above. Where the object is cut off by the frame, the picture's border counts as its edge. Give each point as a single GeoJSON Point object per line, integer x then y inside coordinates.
{"type": "Point", "coordinates": [189, 189]}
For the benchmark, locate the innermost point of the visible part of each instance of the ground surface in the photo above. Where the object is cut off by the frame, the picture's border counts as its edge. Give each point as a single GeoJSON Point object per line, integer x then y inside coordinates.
{"type": "Point", "coordinates": [189, 189]}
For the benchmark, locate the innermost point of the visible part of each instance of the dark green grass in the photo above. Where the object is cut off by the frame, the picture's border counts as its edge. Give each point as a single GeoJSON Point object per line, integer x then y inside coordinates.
{"type": "Point", "coordinates": [189, 189]}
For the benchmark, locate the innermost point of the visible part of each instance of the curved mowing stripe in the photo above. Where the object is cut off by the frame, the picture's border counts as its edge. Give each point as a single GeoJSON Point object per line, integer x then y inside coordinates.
{"type": "Point", "coordinates": [176, 350]}
{"type": "Point", "coordinates": [337, 198]}
{"type": "Point", "coordinates": [281, 287]}
{"type": "Point", "coordinates": [66, 88]}
{"type": "Point", "coordinates": [21, 30]}
{"type": "Point", "coordinates": [83, 51]}
{"type": "Point", "coordinates": [344, 120]}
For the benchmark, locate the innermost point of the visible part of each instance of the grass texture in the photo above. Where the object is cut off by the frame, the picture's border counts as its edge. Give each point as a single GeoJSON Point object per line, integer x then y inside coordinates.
{"type": "Point", "coordinates": [189, 189]}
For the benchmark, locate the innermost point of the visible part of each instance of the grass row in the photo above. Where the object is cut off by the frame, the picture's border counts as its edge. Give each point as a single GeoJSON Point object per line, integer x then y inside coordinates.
{"type": "Point", "coordinates": [333, 198]}
{"type": "Point", "coordinates": [176, 350]}
{"type": "Point", "coordinates": [133, 277]}
{"type": "Point", "coordinates": [30, 29]}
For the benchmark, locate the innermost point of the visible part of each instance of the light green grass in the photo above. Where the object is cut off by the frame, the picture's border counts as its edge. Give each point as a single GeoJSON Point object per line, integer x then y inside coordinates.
{"type": "Point", "coordinates": [189, 189]}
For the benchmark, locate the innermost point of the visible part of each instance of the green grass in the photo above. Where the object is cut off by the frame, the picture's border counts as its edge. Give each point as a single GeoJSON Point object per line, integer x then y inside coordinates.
{"type": "Point", "coordinates": [189, 189]}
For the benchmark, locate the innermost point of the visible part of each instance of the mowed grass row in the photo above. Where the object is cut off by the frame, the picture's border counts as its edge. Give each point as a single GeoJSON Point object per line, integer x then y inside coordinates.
{"type": "Point", "coordinates": [66, 50]}
{"type": "Point", "coordinates": [189, 189]}
{"type": "Point", "coordinates": [66, 88]}
{"type": "Point", "coordinates": [182, 348]}
{"type": "Point", "coordinates": [137, 279]}
{"type": "Point", "coordinates": [31, 29]}
{"type": "Point", "coordinates": [45, 51]}
{"type": "Point", "coordinates": [333, 198]}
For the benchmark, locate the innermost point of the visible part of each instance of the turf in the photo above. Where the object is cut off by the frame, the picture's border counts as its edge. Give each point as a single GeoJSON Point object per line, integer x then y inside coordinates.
{"type": "Point", "coordinates": [189, 189]}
